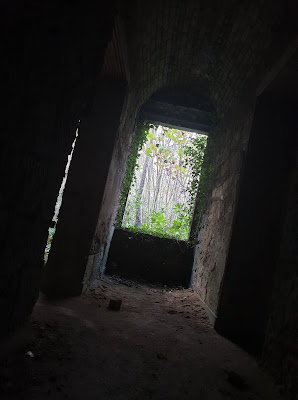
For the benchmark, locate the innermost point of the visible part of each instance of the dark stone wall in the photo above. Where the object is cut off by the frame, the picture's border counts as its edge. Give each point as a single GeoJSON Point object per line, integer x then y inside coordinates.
{"type": "Point", "coordinates": [65, 269]}
{"type": "Point", "coordinates": [251, 262]}
{"type": "Point", "coordinates": [279, 354]}
{"type": "Point", "coordinates": [225, 151]}
{"type": "Point", "coordinates": [51, 55]}
{"type": "Point", "coordinates": [99, 249]}
{"type": "Point", "coordinates": [150, 258]}
{"type": "Point", "coordinates": [229, 140]}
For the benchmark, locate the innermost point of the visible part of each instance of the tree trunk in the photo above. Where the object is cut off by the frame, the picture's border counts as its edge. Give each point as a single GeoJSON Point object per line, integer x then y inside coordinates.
{"type": "Point", "coordinates": [140, 193]}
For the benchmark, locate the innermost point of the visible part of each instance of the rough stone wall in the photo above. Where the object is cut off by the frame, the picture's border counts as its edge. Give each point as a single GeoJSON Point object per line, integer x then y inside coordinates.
{"type": "Point", "coordinates": [197, 46]}
{"type": "Point", "coordinates": [153, 259]}
{"type": "Point", "coordinates": [190, 43]}
{"type": "Point", "coordinates": [68, 261]}
{"type": "Point", "coordinates": [229, 143]}
{"type": "Point", "coordinates": [49, 66]}
{"type": "Point", "coordinates": [250, 266]}
{"type": "Point", "coordinates": [64, 271]}
{"type": "Point", "coordinates": [229, 140]}
{"type": "Point", "coordinates": [105, 225]}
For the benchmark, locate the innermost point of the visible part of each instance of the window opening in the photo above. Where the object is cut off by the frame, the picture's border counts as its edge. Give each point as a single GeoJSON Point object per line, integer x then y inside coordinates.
{"type": "Point", "coordinates": [164, 188]}
{"type": "Point", "coordinates": [52, 230]}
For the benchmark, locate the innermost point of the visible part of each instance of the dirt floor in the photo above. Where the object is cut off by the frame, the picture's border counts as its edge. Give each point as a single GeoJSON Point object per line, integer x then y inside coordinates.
{"type": "Point", "coordinates": [158, 346]}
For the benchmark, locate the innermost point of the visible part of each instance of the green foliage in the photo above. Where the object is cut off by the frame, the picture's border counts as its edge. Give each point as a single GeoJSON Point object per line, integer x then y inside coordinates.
{"type": "Point", "coordinates": [176, 155]}
{"type": "Point", "coordinates": [140, 137]}
{"type": "Point", "coordinates": [204, 185]}
{"type": "Point", "coordinates": [180, 225]}
{"type": "Point", "coordinates": [159, 225]}
{"type": "Point", "coordinates": [194, 158]}
{"type": "Point", "coordinates": [132, 204]}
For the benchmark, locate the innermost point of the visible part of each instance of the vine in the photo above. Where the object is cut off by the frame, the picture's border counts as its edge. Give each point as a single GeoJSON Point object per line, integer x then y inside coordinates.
{"type": "Point", "coordinates": [139, 138]}
{"type": "Point", "coordinates": [203, 188]}
{"type": "Point", "coordinates": [194, 158]}
{"type": "Point", "coordinates": [183, 220]}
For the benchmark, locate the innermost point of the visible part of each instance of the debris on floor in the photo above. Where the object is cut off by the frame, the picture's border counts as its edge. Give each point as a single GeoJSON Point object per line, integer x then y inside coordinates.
{"type": "Point", "coordinates": [236, 380]}
{"type": "Point", "coordinates": [114, 305]}
{"type": "Point", "coordinates": [83, 351]}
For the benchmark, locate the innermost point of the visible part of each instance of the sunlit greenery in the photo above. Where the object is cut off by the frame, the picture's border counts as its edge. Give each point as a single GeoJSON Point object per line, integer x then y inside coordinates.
{"type": "Point", "coordinates": [165, 182]}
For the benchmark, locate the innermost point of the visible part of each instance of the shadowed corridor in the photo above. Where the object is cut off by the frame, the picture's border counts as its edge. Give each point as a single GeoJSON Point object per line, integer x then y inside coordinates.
{"type": "Point", "coordinates": [100, 72]}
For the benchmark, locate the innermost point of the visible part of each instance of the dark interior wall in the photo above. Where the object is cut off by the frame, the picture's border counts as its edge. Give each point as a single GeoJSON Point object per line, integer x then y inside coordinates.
{"type": "Point", "coordinates": [227, 142]}
{"type": "Point", "coordinates": [279, 353]}
{"type": "Point", "coordinates": [280, 350]}
{"type": "Point", "coordinates": [70, 268]}
{"type": "Point", "coordinates": [99, 249]}
{"type": "Point", "coordinates": [153, 259]}
{"type": "Point", "coordinates": [65, 269]}
{"type": "Point", "coordinates": [49, 65]}
{"type": "Point", "coordinates": [251, 262]}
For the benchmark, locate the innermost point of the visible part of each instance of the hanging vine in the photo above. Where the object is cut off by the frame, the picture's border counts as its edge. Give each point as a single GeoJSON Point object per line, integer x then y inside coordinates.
{"type": "Point", "coordinates": [139, 138]}
{"type": "Point", "coordinates": [194, 156]}
{"type": "Point", "coordinates": [165, 209]}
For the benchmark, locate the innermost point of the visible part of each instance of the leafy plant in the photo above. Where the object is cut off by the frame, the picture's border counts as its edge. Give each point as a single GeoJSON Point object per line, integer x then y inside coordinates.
{"type": "Point", "coordinates": [139, 138]}
{"type": "Point", "coordinates": [161, 182]}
